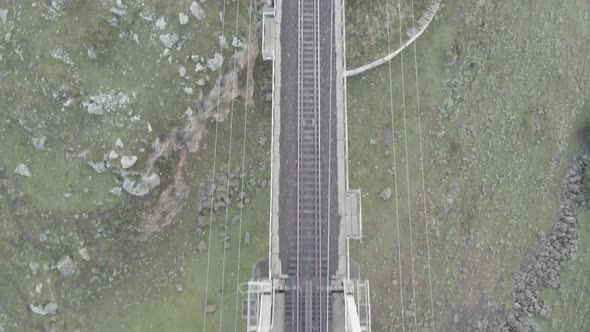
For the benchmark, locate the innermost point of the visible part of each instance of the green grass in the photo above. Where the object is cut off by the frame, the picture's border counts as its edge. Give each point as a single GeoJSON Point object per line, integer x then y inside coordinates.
{"type": "Point", "coordinates": [127, 285]}
{"type": "Point", "coordinates": [366, 25]}
{"type": "Point", "coordinates": [492, 163]}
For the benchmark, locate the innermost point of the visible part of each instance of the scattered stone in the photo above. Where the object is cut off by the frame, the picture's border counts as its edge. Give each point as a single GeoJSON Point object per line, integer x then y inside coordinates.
{"type": "Point", "coordinates": [237, 43]}
{"type": "Point", "coordinates": [143, 187]}
{"type": "Point", "coordinates": [105, 103]}
{"type": "Point", "coordinates": [211, 308]}
{"type": "Point", "coordinates": [198, 67]}
{"type": "Point", "coordinates": [23, 170]}
{"type": "Point", "coordinates": [61, 55]}
{"type": "Point", "coordinates": [247, 238]}
{"type": "Point", "coordinates": [202, 246]}
{"type": "Point", "coordinates": [34, 267]}
{"type": "Point", "coordinates": [66, 266]}
{"type": "Point", "coordinates": [183, 18]}
{"type": "Point", "coordinates": [39, 310]}
{"type": "Point", "coordinates": [223, 42]}
{"type": "Point", "coordinates": [385, 194]}
{"type": "Point", "coordinates": [113, 155]}
{"type": "Point", "coordinates": [98, 167]}
{"type": "Point", "coordinates": [197, 11]}
{"type": "Point", "coordinates": [119, 12]}
{"type": "Point", "coordinates": [179, 288]}
{"type": "Point", "coordinates": [51, 308]}
{"type": "Point", "coordinates": [119, 143]}
{"type": "Point", "coordinates": [182, 71]}
{"type": "Point", "coordinates": [43, 237]}
{"type": "Point", "coordinates": [169, 39]}
{"type": "Point", "coordinates": [59, 5]}
{"type": "Point", "coordinates": [201, 82]}
{"type": "Point", "coordinates": [188, 90]}
{"type": "Point", "coordinates": [91, 52]}
{"type": "Point", "coordinates": [161, 23]}
{"type": "Point", "coordinates": [128, 161]}
{"type": "Point", "coordinates": [84, 253]}
{"type": "Point", "coordinates": [216, 62]}
{"type": "Point", "coordinates": [117, 191]}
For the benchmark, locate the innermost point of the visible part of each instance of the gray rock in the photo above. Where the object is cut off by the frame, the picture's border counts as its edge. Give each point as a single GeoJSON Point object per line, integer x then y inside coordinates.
{"type": "Point", "coordinates": [197, 11]}
{"type": "Point", "coordinates": [202, 246]}
{"type": "Point", "coordinates": [117, 191]}
{"type": "Point", "coordinates": [104, 103]}
{"type": "Point", "coordinates": [34, 267]}
{"type": "Point", "coordinates": [39, 310]}
{"type": "Point", "coordinates": [59, 5]}
{"type": "Point", "coordinates": [66, 266]}
{"type": "Point", "coordinates": [385, 194]}
{"type": "Point", "coordinates": [128, 161]}
{"type": "Point", "coordinates": [179, 288]}
{"type": "Point", "coordinates": [142, 187]}
{"type": "Point", "coordinates": [91, 52]}
{"type": "Point", "coordinates": [247, 238]}
{"type": "Point", "coordinates": [169, 39]}
{"type": "Point", "coordinates": [118, 12]}
{"type": "Point", "coordinates": [223, 42]}
{"type": "Point", "coordinates": [84, 253]}
{"type": "Point", "coordinates": [216, 62]}
{"type": "Point", "coordinates": [198, 68]}
{"type": "Point", "coordinates": [23, 170]}
{"type": "Point", "coordinates": [237, 43]}
{"type": "Point", "coordinates": [43, 237]}
{"type": "Point", "coordinates": [113, 155]}
{"type": "Point", "coordinates": [183, 18]}
{"type": "Point", "coordinates": [39, 142]}
{"type": "Point", "coordinates": [98, 167]}
{"type": "Point", "coordinates": [161, 23]}
{"type": "Point", "coordinates": [51, 308]}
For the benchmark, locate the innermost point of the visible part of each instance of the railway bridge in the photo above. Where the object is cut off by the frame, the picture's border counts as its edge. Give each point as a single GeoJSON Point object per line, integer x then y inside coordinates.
{"type": "Point", "coordinates": [312, 284]}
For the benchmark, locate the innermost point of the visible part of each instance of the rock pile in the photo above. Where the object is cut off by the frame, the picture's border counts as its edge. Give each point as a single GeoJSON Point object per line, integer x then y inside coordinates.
{"type": "Point", "coordinates": [227, 189]}
{"type": "Point", "coordinates": [541, 269]}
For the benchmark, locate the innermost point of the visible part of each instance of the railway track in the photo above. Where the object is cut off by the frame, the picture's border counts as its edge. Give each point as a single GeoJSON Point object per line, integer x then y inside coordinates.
{"type": "Point", "coordinates": [306, 299]}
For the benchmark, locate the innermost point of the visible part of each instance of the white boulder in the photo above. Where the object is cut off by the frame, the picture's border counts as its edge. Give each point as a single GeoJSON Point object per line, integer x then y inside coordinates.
{"type": "Point", "coordinates": [197, 11]}
{"type": "Point", "coordinates": [183, 18]}
{"type": "Point", "coordinates": [128, 161]}
{"type": "Point", "coordinates": [23, 170]}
